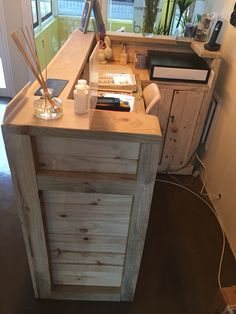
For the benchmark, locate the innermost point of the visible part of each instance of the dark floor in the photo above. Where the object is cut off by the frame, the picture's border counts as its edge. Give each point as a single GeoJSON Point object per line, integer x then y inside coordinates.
{"type": "Point", "coordinates": [179, 268]}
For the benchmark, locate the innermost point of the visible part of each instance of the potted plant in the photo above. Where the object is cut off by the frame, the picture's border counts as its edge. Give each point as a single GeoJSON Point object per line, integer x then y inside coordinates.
{"type": "Point", "coordinates": [150, 14]}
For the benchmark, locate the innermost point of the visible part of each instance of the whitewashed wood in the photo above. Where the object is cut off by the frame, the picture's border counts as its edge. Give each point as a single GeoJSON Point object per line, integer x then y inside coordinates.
{"type": "Point", "coordinates": [68, 162]}
{"type": "Point", "coordinates": [78, 212]}
{"type": "Point", "coordinates": [88, 275]}
{"type": "Point", "coordinates": [104, 125]}
{"type": "Point", "coordinates": [87, 182]}
{"type": "Point", "coordinates": [86, 293]}
{"type": "Point", "coordinates": [86, 147]}
{"type": "Point", "coordinates": [182, 123]}
{"type": "Point", "coordinates": [22, 165]}
{"type": "Point", "coordinates": [70, 257]}
{"type": "Point", "coordinates": [148, 164]}
{"type": "Point", "coordinates": [88, 244]}
{"type": "Point", "coordinates": [104, 200]}
{"type": "Point", "coordinates": [205, 106]}
{"type": "Point", "coordinates": [95, 227]}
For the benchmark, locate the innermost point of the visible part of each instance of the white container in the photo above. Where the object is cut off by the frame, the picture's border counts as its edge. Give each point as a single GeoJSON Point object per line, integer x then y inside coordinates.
{"type": "Point", "coordinates": [80, 99]}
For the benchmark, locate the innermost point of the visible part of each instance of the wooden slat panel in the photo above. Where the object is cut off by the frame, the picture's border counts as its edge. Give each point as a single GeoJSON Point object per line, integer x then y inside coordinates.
{"type": "Point", "coordinates": [86, 147]}
{"type": "Point", "coordinates": [85, 198]}
{"type": "Point", "coordinates": [183, 117]}
{"type": "Point", "coordinates": [85, 293]}
{"type": "Point", "coordinates": [24, 177]}
{"type": "Point", "coordinates": [87, 164]}
{"type": "Point", "coordinates": [85, 243]}
{"type": "Point", "coordinates": [95, 227]}
{"type": "Point", "coordinates": [70, 257]}
{"type": "Point", "coordinates": [86, 275]}
{"type": "Point", "coordinates": [87, 182]}
{"type": "Point", "coordinates": [139, 220]}
{"type": "Point", "coordinates": [78, 212]}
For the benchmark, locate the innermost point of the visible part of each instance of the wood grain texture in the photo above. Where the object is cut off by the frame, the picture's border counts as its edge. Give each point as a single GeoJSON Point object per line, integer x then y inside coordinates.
{"type": "Point", "coordinates": [148, 164]}
{"type": "Point", "coordinates": [104, 125]}
{"type": "Point", "coordinates": [86, 155]}
{"type": "Point", "coordinates": [85, 147]}
{"type": "Point", "coordinates": [86, 275]}
{"type": "Point", "coordinates": [87, 244]}
{"type": "Point", "coordinates": [181, 127]}
{"type": "Point", "coordinates": [84, 258]}
{"type": "Point", "coordinates": [86, 182]}
{"type": "Point", "coordinates": [85, 293]}
{"type": "Point", "coordinates": [24, 177]}
{"type": "Point", "coordinates": [105, 200]}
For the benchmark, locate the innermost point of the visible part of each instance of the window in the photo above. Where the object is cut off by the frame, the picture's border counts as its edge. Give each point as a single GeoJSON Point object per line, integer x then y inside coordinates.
{"type": "Point", "coordinates": [34, 12]}
{"type": "Point", "coordinates": [41, 10]}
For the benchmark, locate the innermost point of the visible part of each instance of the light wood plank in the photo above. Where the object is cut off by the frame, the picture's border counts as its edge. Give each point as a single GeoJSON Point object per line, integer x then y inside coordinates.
{"type": "Point", "coordinates": [86, 275]}
{"type": "Point", "coordinates": [182, 123]}
{"type": "Point", "coordinates": [70, 257]}
{"type": "Point", "coordinates": [104, 200]}
{"type": "Point", "coordinates": [95, 227]}
{"type": "Point", "coordinates": [77, 212]}
{"type": "Point", "coordinates": [69, 61]}
{"type": "Point", "coordinates": [104, 125]}
{"type": "Point", "coordinates": [87, 244]}
{"type": "Point", "coordinates": [85, 293]}
{"type": "Point", "coordinates": [24, 177]}
{"type": "Point", "coordinates": [139, 220]}
{"type": "Point", "coordinates": [86, 182]}
{"type": "Point", "coordinates": [84, 147]}
{"type": "Point", "coordinates": [87, 164]}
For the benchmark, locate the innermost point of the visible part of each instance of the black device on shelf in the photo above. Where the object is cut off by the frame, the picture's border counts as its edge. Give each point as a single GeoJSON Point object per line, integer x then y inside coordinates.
{"type": "Point", "coordinates": [212, 45]}
{"type": "Point", "coordinates": [111, 103]}
{"type": "Point", "coordinates": [177, 67]}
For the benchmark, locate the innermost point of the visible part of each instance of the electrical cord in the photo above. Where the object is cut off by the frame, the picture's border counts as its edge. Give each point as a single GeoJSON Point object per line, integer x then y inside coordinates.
{"type": "Point", "coordinates": [217, 218]}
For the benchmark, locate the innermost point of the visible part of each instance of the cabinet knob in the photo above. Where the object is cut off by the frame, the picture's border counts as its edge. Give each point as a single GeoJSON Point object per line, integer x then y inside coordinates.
{"type": "Point", "coordinates": [174, 129]}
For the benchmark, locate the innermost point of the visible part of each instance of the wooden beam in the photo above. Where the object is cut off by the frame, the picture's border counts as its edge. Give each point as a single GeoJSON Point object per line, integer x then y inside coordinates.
{"type": "Point", "coordinates": [139, 219]}
{"type": "Point", "coordinates": [22, 165]}
{"type": "Point", "coordinates": [123, 184]}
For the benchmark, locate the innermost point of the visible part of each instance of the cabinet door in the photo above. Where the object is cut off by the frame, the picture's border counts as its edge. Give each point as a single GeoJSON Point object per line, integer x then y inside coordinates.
{"type": "Point", "coordinates": [163, 111]}
{"type": "Point", "coordinates": [181, 127]}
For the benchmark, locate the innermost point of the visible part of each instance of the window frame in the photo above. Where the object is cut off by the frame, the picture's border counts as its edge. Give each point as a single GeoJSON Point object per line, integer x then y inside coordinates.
{"type": "Point", "coordinates": [40, 18]}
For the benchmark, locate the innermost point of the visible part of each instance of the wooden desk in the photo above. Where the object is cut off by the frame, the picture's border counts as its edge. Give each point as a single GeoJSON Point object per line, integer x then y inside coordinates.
{"type": "Point", "coordinates": [84, 188]}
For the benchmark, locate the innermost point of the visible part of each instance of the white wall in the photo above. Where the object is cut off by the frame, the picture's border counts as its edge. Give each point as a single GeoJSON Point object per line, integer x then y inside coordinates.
{"type": "Point", "coordinates": [14, 21]}
{"type": "Point", "coordinates": [220, 158]}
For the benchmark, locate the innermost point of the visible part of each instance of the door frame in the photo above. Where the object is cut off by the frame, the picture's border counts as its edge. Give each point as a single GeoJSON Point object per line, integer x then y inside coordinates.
{"type": "Point", "coordinates": [9, 91]}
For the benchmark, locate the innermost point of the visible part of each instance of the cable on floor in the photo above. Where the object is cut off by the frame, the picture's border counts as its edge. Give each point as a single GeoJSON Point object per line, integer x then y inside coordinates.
{"type": "Point", "coordinates": [217, 218]}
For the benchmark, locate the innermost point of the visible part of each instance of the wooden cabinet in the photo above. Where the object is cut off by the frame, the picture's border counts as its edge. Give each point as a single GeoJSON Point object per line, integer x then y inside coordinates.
{"type": "Point", "coordinates": [178, 113]}
{"type": "Point", "coordinates": [84, 188]}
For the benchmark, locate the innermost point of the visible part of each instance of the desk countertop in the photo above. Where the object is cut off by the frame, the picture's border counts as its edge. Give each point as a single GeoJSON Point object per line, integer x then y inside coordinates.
{"type": "Point", "coordinates": [68, 64]}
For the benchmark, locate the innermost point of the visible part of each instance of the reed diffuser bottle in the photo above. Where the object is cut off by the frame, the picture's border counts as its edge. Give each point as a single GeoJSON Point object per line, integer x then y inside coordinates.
{"type": "Point", "coordinates": [47, 107]}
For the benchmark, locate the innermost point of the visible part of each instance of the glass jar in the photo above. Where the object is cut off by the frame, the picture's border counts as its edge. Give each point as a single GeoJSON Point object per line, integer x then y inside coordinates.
{"type": "Point", "coordinates": [47, 107]}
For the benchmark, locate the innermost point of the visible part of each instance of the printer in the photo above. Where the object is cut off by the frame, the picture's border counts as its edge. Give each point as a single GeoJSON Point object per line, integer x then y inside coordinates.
{"type": "Point", "coordinates": [177, 66]}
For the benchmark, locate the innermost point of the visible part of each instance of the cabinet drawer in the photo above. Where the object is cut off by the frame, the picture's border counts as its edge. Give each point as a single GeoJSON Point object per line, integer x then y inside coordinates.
{"type": "Point", "coordinates": [86, 155]}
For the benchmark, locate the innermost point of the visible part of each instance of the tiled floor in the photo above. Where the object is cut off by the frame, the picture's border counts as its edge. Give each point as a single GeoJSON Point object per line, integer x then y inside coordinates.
{"type": "Point", "coordinates": [178, 273]}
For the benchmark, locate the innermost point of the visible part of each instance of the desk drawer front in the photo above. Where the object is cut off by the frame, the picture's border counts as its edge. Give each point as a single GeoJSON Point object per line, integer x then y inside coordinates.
{"type": "Point", "coordinates": [86, 155]}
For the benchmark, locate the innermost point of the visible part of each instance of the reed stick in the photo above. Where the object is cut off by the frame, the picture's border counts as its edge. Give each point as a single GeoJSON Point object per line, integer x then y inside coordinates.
{"type": "Point", "coordinates": [32, 61]}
